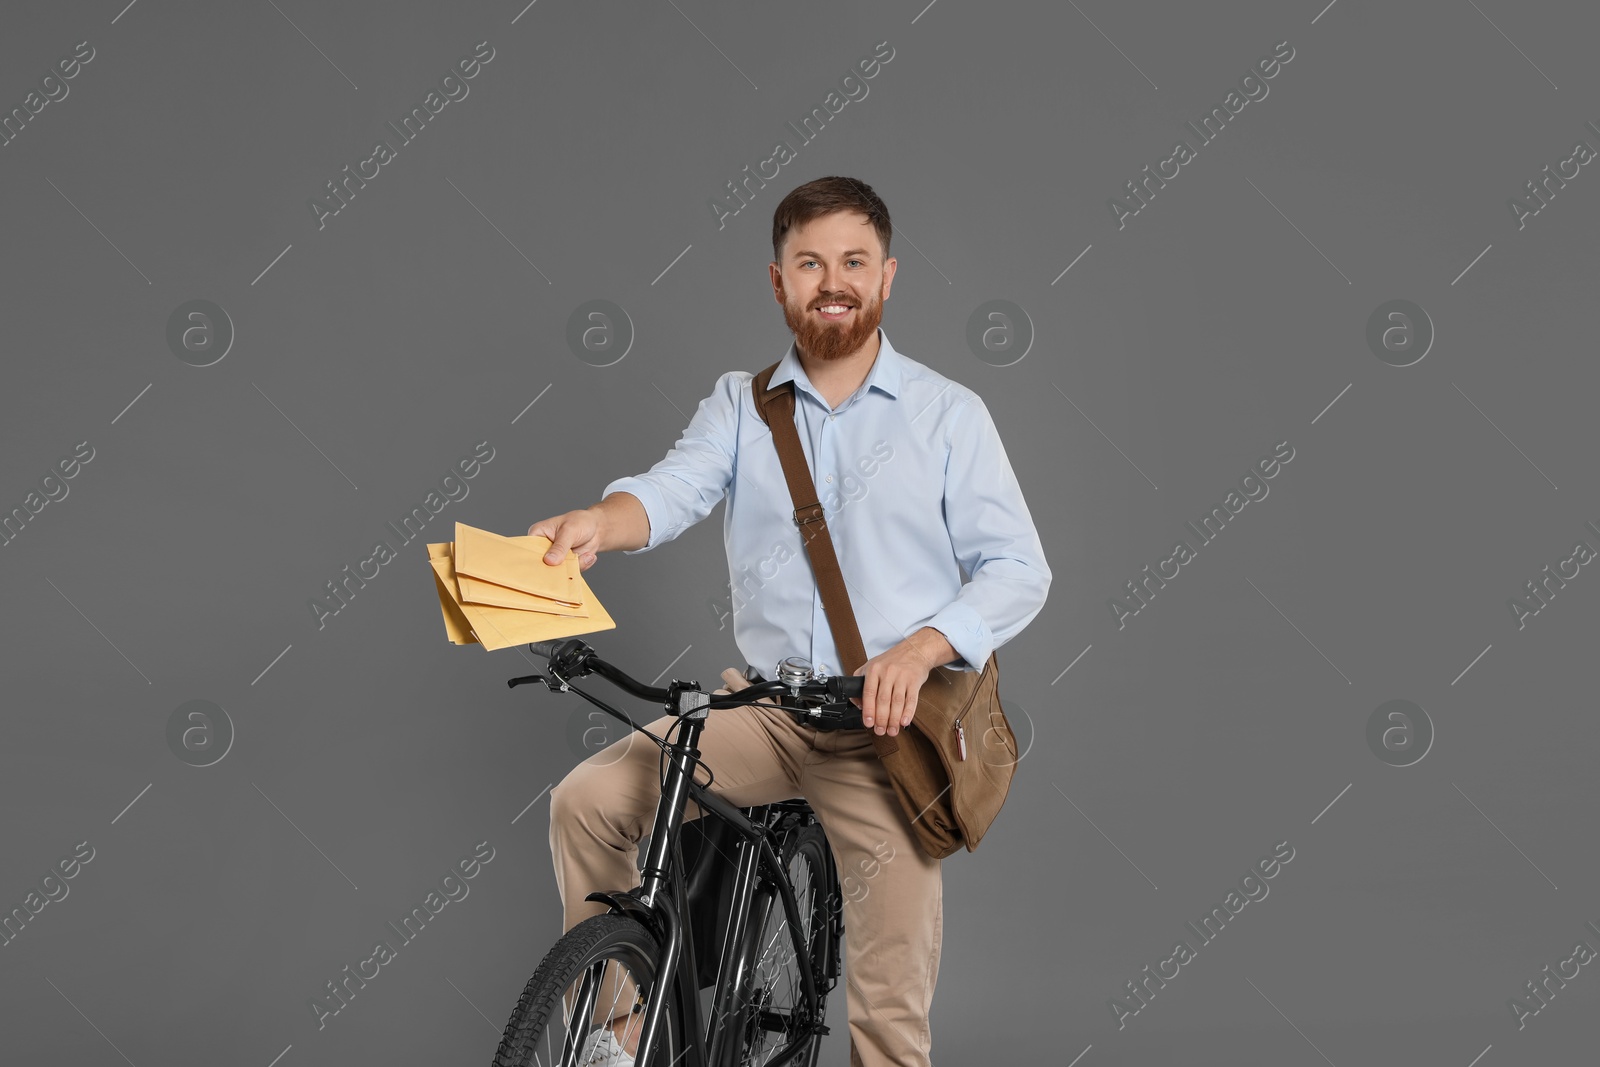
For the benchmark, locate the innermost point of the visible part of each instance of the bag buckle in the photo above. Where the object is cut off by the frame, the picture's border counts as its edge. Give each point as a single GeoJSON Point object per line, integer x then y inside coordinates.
{"type": "Point", "coordinates": [808, 513]}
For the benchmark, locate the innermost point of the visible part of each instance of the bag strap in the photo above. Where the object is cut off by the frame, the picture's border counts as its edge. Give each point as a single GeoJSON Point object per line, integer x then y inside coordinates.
{"type": "Point", "coordinates": [776, 408]}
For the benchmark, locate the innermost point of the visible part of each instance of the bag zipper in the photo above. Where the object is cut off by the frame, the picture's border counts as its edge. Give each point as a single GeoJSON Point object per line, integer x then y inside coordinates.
{"type": "Point", "coordinates": [961, 739]}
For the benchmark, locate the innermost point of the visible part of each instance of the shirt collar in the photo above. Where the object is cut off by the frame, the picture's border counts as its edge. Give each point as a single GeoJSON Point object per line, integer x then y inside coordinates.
{"type": "Point", "coordinates": [884, 375]}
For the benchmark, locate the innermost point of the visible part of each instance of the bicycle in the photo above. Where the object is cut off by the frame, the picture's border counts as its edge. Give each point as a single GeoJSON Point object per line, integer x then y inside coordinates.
{"type": "Point", "coordinates": [781, 927]}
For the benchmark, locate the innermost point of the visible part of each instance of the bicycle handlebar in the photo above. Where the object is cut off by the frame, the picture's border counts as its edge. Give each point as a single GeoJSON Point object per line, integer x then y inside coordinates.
{"type": "Point", "coordinates": [571, 654]}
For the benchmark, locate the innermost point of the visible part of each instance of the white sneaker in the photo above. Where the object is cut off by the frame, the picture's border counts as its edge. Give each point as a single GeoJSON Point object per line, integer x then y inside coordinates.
{"type": "Point", "coordinates": [604, 1050]}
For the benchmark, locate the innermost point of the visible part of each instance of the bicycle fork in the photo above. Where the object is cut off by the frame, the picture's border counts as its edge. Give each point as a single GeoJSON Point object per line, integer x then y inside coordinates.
{"type": "Point", "coordinates": [655, 909]}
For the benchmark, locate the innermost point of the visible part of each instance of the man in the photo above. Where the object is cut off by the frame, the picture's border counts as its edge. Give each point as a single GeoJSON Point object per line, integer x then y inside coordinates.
{"type": "Point", "coordinates": [916, 488]}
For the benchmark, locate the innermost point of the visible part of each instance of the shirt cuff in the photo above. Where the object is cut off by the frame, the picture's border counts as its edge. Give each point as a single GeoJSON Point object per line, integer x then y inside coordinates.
{"type": "Point", "coordinates": [967, 633]}
{"type": "Point", "coordinates": [654, 507]}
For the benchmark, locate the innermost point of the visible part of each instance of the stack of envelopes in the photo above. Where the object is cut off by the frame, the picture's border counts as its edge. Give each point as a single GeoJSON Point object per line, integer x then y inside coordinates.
{"type": "Point", "coordinates": [498, 591]}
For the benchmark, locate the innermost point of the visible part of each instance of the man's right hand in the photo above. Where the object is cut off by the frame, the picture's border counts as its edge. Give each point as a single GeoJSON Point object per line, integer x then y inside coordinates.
{"type": "Point", "coordinates": [575, 530]}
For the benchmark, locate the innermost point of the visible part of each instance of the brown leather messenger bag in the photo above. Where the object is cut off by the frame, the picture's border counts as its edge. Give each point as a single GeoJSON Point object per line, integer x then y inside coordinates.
{"type": "Point", "coordinates": [952, 766]}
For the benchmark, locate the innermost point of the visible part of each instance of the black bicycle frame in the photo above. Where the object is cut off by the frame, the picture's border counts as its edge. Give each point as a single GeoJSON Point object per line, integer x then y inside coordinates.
{"type": "Point", "coordinates": [666, 915]}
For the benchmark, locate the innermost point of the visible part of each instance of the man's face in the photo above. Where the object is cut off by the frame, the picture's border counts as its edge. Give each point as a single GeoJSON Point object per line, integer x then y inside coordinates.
{"type": "Point", "coordinates": [833, 261]}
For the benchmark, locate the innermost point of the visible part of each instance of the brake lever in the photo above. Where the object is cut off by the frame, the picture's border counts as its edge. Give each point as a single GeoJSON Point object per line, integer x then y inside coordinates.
{"type": "Point", "coordinates": [550, 682]}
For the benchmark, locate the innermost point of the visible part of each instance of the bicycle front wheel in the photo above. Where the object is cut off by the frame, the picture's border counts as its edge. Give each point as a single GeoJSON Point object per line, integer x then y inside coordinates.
{"type": "Point", "coordinates": [600, 971]}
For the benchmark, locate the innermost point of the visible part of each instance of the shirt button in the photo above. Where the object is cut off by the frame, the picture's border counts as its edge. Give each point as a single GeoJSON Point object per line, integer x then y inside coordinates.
{"type": "Point", "coordinates": [829, 478]}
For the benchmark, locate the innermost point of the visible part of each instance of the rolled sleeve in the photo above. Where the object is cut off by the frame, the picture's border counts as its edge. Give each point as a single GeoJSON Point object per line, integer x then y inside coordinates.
{"type": "Point", "coordinates": [654, 508]}
{"type": "Point", "coordinates": [688, 482]}
{"type": "Point", "coordinates": [967, 633]}
{"type": "Point", "coordinates": [994, 539]}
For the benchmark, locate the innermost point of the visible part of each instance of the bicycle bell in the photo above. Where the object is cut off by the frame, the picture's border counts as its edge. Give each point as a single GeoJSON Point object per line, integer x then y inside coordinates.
{"type": "Point", "coordinates": [794, 671]}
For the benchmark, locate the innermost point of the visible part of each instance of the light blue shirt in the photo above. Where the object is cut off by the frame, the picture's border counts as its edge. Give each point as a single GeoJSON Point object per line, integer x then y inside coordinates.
{"type": "Point", "coordinates": [918, 494]}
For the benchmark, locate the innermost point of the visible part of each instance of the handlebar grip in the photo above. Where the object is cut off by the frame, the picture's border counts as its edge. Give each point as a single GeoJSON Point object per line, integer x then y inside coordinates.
{"type": "Point", "coordinates": [546, 648]}
{"type": "Point", "coordinates": [846, 685]}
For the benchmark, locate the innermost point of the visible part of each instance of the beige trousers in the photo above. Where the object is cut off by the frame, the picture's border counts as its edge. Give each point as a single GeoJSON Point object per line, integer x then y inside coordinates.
{"type": "Point", "coordinates": [893, 892]}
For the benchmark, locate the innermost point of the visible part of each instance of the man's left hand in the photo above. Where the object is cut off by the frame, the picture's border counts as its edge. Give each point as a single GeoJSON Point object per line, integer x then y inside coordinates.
{"type": "Point", "coordinates": [888, 699]}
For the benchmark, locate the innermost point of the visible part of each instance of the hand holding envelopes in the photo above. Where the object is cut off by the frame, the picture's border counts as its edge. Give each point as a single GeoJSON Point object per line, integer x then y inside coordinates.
{"type": "Point", "coordinates": [494, 605]}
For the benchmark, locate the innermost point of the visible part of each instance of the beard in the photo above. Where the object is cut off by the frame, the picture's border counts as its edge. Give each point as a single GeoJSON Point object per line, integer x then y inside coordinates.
{"type": "Point", "coordinates": [817, 338]}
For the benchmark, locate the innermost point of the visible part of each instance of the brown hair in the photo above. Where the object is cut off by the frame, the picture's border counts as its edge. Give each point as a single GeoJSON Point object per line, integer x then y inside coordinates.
{"type": "Point", "coordinates": [825, 196]}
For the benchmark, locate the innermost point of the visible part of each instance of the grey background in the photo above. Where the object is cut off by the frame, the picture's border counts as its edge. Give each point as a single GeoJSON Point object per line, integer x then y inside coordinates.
{"type": "Point", "coordinates": [1224, 318]}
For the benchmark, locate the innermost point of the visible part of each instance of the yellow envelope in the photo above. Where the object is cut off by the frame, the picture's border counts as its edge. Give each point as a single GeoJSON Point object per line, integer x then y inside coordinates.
{"type": "Point", "coordinates": [497, 627]}
{"type": "Point", "coordinates": [456, 626]}
{"type": "Point", "coordinates": [516, 564]}
{"type": "Point", "coordinates": [478, 591]}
